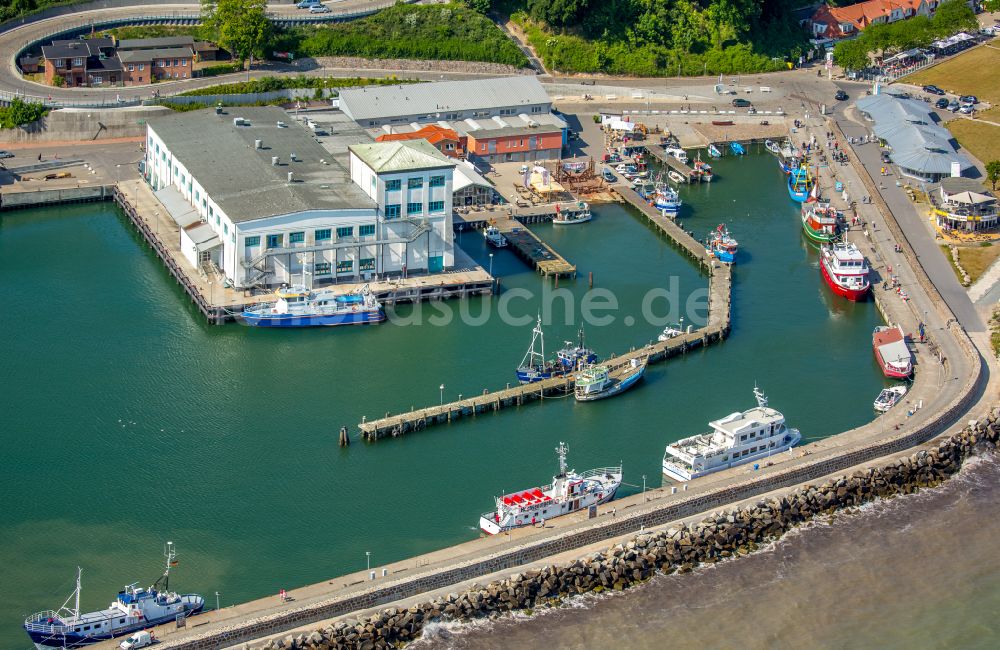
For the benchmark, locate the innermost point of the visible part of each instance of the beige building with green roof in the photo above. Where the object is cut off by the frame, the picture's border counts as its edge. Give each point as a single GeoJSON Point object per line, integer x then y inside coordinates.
{"type": "Point", "coordinates": [411, 183]}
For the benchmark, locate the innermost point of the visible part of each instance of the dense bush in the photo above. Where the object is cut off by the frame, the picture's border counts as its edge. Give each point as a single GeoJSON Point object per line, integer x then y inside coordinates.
{"type": "Point", "coordinates": [17, 8]}
{"type": "Point", "coordinates": [20, 113]}
{"type": "Point", "coordinates": [450, 32]}
{"type": "Point", "coordinates": [268, 84]}
{"type": "Point", "coordinates": [220, 68]}
{"type": "Point", "coordinates": [660, 37]}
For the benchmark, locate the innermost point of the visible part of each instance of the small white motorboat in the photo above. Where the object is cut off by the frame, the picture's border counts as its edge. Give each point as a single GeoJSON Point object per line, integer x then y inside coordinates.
{"type": "Point", "coordinates": [494, 237]}
{"type": "Point", "coordinates": [889, 397]}
{"type": "Point", "coordinates": [676, 177]}
{"type": "Point", "coordinates": [672, 330]}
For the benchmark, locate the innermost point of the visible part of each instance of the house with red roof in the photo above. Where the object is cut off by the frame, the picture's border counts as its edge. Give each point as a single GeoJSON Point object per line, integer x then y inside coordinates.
{"type": "Point", "coordinates": [835, 23]}
{"type": "Point", "coordinates": [447, 141]}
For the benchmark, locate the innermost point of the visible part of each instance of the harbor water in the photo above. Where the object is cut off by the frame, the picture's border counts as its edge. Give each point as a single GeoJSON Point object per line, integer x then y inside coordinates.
{"type": "Point", "coordinates": [129, 421]}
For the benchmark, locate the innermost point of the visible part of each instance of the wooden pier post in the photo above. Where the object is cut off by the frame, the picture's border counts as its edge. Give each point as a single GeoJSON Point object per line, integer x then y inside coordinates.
{"type": "Point", "coordinates": [590, 280]}
{"type": "Point", "coordinates": [345, 440]}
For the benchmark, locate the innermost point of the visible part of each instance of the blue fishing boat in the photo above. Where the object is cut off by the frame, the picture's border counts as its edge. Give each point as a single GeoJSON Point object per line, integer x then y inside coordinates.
{"type": "Point", "coordinates": [714, 152]}
{"type": "Point", "coordinates": [297, 306]}
{"type": "Point", "coordinates": [573, 356]}
{"type": "Point", "coordinates": [737, 148]}
{"type": "Point", "coordinates": [721, 245]}
{"type": "Point", "coordinates": [533, 366]}
{"type": "Point", "coordinates": [598, 382]}
{"type": "Point", "coordinates": [799, 184]}
{"type": "Point", "coordinates": [134, 609]}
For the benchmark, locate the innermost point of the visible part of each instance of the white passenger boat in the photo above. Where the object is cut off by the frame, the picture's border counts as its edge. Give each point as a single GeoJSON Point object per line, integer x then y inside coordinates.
{"type": "Point", "coordinates": [734, 440]}
{"type": "Point", "coordinates": [569, 492]}
{"type": "Point", "coordinates": [598, 382]}
{"type": "Point", "coordinates": [494, 237]}
{"type": "Point", "coordinates": [673, 330]}
{"type": "Point", "coordinates": [889, 397]}
{"type": "Point", "coordinates": [570, 217]}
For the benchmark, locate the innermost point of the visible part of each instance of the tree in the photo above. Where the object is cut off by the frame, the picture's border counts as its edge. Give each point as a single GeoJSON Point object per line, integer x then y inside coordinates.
{"type": "Point", "coordinates": [482, 6]}
{"type": "Point", "coordinates": [241, 26]}
{"type": "Point", "coordinates": [558, 13]}
{"type": "Point", "coordinates": [953, 16]}
{"type": "Point", "coordinates": [993, 172]}
{"type": "Point", "coordinates": [851, 55]}
{"type": "Point", "coordinates": [991, 5]}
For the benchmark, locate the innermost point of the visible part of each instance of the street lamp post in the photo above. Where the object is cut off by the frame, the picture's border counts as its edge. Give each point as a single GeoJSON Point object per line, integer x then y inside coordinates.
{"type": "Point", "coordinates": [216, 601]}
{"type": "Point", "coordinates": [368, 560]}
{"type": "Point", "coordinates": [441, 387]}
{"type": "Point", "coordinates": [492, 283]}
{"type": "Point", "coordinates": [643, 488]}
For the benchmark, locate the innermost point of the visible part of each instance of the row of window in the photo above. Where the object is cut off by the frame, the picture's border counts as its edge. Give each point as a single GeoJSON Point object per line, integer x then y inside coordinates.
{"type": "Point", "coordinates": [163, 63]}
{"type": "Point", "coordinates": [345, 266]}
{"type": "Point", "coordinates": [299, 237]}
{"type": "Point", "coordinates": [394, 210]}
{"type": "Point", "coordinates": [413, 183]}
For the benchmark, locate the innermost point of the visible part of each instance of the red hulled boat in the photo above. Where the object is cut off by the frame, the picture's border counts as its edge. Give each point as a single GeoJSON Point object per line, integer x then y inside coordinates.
{"type": "Point", "coordinates": [889, 345]}
{"type": "Point", "coordinates": [845, 270]}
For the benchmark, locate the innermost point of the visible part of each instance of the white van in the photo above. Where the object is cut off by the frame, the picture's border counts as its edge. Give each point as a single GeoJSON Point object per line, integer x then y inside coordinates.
{"type": "Point", "coordinates": [138, 640]}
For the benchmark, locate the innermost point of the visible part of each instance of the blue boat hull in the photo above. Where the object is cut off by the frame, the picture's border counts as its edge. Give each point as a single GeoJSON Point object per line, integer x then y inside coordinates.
{"type": "Point", "coordinates": [531, 376]}
{"type": "Point", "coordinates": [616, 388]}
{"type": "Point", "coordinates": [81, 641]}
{"type": "Point", "coordinates": [799, 196]}
{"type": "Point", "coordinates": [317, 320]}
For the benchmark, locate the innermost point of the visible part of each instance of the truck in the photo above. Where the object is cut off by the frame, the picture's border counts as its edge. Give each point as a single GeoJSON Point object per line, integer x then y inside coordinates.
{"type": "Point", "coordinates": [139, 639]}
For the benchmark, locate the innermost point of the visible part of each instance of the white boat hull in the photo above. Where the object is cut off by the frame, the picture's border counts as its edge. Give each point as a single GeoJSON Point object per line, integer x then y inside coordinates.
{"type": "Point", "coordinates": [584, 218]}
{"type": "Point", "coordinates": [678, 473]}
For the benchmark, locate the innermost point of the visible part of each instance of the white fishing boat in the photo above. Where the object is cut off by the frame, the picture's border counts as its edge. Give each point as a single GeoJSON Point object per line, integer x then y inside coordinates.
{"type": "Point", "coordinates": [673, 330]}
{"type": "Point", "coordinates": [738, 438]}
{"type": "Point", "coordinates": [713, 151]}
{"type": "Point", "coordinates": [569, 492]}
{"type": "Point", "coordinates": [494, 237]}
{"type": "Point", "coordinates": [889, 397]}
{"type": "Point", "coordinates": [570, 217]}
{"type": "Point", "coordinates": [598, 382]}
{"type": "Point", "coordinates": [677, 153]}
{"type": "Point", "coordinates": [773, 147]}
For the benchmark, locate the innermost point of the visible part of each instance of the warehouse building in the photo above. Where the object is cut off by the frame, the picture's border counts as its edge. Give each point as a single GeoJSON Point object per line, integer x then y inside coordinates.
{"type": "Point", "coordinates": [257, 197]}
{"type": "Point", "coordinates": [451, 101]}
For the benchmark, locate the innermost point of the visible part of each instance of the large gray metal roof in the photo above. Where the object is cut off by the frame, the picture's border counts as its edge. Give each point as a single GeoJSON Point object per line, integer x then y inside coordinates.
{"type": "Point", "coordinates": [160, 42]}
{"type": "Point", "coordinates": [910, 128]}
{"type": "Point", "coordinates": [135, 56]}
{"type": "Point", "coordinates": [381, 102]}
{"type": "Point", "coordinates": [241, 179]}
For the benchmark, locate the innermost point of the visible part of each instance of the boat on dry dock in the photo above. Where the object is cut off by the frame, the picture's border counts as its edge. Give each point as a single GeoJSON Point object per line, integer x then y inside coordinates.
{"type": "Point", "coordinates": [569, 492]}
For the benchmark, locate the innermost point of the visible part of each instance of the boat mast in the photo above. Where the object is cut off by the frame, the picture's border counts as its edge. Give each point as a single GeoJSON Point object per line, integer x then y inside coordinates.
{"type": "Point", "coordinates": [561, 451]}
{"type": "Point", "coordinates": [759, 395]}
{"type": "Point", "coordinates": [171, 555]}
{"type": "Point", "coordinates": [529, 357]}
{"type": "Point", "coordinates": [76, 608]}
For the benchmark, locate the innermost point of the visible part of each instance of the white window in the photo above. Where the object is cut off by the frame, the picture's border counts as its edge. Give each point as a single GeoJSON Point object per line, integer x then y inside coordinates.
{"type": "Point", "coordinates": [184, 63]}
{"type": "Point", "coordinates": [131, 67]}
{"type": "Point", "coordinates": [78, 62]}
{"type": "Point", "coordinates": [142, 66]}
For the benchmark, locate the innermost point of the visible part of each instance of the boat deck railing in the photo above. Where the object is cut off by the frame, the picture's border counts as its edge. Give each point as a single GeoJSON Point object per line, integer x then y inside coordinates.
{"type": "Point", "coordinates": [32, 623]}
{"type": "Point", "coordinates": [601, 471]}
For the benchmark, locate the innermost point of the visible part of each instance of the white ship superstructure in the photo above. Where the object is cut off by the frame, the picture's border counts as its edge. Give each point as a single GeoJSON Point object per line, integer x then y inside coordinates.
{"type": "Point", "coordinates": [569, 492]}
{"type": "Point", "coordinates": [735, 439]}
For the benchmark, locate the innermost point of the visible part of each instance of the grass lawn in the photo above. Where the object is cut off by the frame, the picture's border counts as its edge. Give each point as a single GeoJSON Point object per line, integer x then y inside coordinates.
{"type": "Point", "coordinates": [976, 259]}
{"type": "Point", "coordinates": [946, 251]}
{"type": "Point", "coordinates": [970, 73]}
{"type": "Point", "coordinates": [982, 140]}
{"type": "Point", "coordinates": [993, 114]}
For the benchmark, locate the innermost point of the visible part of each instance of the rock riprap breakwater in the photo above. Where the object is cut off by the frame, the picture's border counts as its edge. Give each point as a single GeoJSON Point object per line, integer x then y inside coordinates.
{"type": "Point", "coordinates": [678, 549]}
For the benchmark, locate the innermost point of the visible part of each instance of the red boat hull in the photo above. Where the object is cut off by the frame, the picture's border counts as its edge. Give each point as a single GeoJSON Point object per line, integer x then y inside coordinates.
{"type": "Point", "coordinates": [850, 294]}
{"type": "Point", "coordinates": [890, 372]}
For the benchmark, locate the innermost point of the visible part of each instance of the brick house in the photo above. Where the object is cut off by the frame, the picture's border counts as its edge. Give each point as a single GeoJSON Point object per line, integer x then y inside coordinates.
{"type": "Point", "coordinates": [77, 60]}
{"type": "Point", "coordinates": [447, 141]}
{"type": "Point", "coordinates": [517, 144]}
{"type": "Point", "coordinates": [144, 65]}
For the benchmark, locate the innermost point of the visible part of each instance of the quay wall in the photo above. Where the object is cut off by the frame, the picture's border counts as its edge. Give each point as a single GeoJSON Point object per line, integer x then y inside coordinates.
{"type": "Point", "coordinates": [40, 198]}
{"type": "Point", "coordinates": [76, 124]}
{"type": "Point", "coordinates": [623, 524]}
{"type": "Point", "coordinates": [721, 535]}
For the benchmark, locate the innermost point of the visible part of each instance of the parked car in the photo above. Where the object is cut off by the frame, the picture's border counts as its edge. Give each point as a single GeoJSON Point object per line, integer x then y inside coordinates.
{"type": "Point", "coordinates": [967, 109]}
{"type": "Point", "coordinates": [841, 96]}
{"type": "Point", "coordinates": [523, 169]}
{"type": "Point", "coordinates": [6, 154]}
{"type": "Point", "coordinates": [941, 103]}
{"type": "Point", "coordinates": [953, 105]}
{"type": "Point", "coordinates": [137, 640]}
{"type": "Point", "coordinates": [885, 158]}
{"type": "Point", "coordinates": [739, 102]}
{"type": "Point", "coordinates": [308, 4]}
{"type": "Point", "coordinates": [932, 89]}
{"type": "Point", "coordinates": [319, 9]}
{"type": "Point", "coordinates": [969, 99]}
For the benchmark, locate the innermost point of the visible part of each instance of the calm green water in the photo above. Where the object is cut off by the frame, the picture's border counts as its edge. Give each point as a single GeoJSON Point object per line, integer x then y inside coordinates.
{"type": "Point", "coordinates": [129, 422]}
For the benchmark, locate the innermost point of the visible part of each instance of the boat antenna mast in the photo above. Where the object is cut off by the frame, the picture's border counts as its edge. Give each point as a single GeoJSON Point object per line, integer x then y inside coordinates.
{"type": "Point", "coordinates": [170, 553]}
{"type": "Point", "coordinates": [561, 451]}
{"type": "Point", "coordinates": [531, 354]}
{"type": "Point", "coordinates": [75, 597]}
{"type": "Point", "coordinates": [759, 395]}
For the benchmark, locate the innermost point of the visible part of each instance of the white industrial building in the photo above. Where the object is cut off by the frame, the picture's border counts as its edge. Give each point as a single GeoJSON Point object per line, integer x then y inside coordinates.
{"type": "Point", "coordinates": [255, 195]}
{"type": "Point", "coordinates": [450, 101]}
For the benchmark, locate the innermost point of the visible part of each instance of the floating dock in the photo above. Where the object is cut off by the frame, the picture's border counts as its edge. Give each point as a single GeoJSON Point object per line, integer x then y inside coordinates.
{"type": "Point", "coordinates": [533, 250]}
